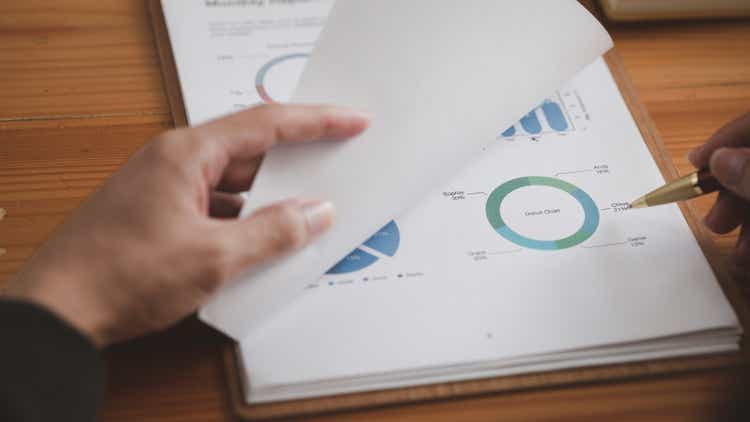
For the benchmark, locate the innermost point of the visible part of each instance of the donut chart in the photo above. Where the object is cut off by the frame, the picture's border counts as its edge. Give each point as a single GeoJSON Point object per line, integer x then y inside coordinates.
{"type": "Point", "coordinates": [385, 242]}
{"type": "Point", "coordinates": [590, 221]}
{"type": "Point", "coordinates": [260, 77]}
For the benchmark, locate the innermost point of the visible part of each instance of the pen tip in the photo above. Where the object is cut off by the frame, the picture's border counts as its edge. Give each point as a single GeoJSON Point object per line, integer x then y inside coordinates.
{"type": "Point", "coordinates": [639, 203]}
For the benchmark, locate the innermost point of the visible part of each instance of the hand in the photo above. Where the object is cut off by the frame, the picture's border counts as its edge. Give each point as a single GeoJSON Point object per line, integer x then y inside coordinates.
{"type": "Point", "coordinates": [727, 154]}
{"type": "Point", "coordinates": [157, 239]}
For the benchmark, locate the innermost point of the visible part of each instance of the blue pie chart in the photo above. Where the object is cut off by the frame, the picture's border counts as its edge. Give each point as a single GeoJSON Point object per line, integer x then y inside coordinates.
{"type": "Point", "coordinates": [385, 242]}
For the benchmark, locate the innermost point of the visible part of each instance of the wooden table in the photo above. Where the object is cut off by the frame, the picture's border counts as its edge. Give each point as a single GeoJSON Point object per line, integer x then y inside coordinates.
{"type": "Point", "coordinates": [81, 90]}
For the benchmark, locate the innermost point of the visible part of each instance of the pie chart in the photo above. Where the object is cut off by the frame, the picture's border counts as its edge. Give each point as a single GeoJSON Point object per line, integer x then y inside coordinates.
{"type": "Point", "coordinates": [382, 244]}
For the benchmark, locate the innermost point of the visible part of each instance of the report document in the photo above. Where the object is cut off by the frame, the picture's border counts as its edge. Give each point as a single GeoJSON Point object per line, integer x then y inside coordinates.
{"type": "Point", "coordinates": [525, 259]}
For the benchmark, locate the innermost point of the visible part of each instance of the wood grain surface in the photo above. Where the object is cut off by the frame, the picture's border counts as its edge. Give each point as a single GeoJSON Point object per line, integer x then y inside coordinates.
{"type": "Point", "coordinates": [81, 90]}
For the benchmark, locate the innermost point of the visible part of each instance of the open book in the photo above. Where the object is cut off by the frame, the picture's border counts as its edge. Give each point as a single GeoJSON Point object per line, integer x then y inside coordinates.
{"type": "Point", "coordinates": [526, 260]}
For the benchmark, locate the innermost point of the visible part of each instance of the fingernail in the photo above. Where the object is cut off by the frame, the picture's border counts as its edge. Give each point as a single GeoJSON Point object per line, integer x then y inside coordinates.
{"type": "Point", "coordinates": [728, 166]}
{"type": "Point", "coordinates": [352, 113]}
{"type": "Point", "coordinates": [319, 216]}
{"type": "Point", "coordinates": [345, 122]}
{"type": "Point", "coordinates": [356, 120]}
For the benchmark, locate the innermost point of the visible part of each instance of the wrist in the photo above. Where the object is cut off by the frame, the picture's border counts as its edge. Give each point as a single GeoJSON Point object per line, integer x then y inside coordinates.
{"type": "Point", "coordinates": [67, 302]}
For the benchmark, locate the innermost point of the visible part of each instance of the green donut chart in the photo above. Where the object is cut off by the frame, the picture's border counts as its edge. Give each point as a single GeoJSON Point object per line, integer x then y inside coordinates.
{"type": "Point", "coordinates": [587, 229]}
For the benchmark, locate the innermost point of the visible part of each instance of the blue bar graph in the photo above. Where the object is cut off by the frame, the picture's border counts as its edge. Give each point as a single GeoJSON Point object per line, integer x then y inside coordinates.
{"type": "Point", "coordinates": [554, 115]}
{"type": "Point", "coordinates": [530, 123]}
{"type": "Point", "coordinates": [509, 131]}
{"type": "Point", "coordinates": [550, 116]}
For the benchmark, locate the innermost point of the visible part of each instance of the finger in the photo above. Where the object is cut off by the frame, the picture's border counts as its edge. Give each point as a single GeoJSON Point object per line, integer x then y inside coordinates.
{"type": "Point", "coordinates": [727, 213]}
{"type": "Point", "coordinates": [733, 134]}
{"type": "Point", "coordinates": [238, 176]}
{"type": "Point", "coordinates": [249, 133]}
{"type": "Point", "coordinates": [245, 135]}
{"type": "Point", "coordinates": [274, 231]}
{"type": "Point", "coordinates": [729, 167]}
{"type": "Point", "coordinates": [224, 205]}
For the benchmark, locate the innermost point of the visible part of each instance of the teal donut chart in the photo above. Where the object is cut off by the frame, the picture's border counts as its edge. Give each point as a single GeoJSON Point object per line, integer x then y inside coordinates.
{"type": "Point", "coordinates": [261, 75]}
{"type": "Point", "coordinates": [590, 220]}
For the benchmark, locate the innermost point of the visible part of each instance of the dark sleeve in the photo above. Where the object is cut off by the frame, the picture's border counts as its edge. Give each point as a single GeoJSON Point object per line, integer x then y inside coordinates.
{"type": "Point", "coordinates": [48, 370]}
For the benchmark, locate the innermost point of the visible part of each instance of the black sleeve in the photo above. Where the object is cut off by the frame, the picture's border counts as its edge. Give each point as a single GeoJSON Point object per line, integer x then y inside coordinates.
{"type": "Point", "coordinates": [48, 370]}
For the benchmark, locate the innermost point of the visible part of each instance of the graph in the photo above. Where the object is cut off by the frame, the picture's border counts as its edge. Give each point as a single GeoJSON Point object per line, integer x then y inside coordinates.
{"type": "Point", "coordinates": [272, 81]}
{"type": "Point", "coordinates": [384, 243]}
{"type": "Point", "coordinates": [552, 116]}
{"type": "Point", "coordinates": [496, 220]}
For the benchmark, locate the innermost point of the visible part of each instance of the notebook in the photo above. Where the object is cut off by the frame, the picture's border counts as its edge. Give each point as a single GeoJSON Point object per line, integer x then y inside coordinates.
{"type": "Point", "coordinates": [527, 260]}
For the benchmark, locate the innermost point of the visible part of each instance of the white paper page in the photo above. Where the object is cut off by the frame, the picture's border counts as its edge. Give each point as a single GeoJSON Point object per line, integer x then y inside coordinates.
{"type": "Point", "coordinates": [447, 287]}
{"type": "Point", "coordinates": [231, 55]}
{"type": "Point", "coordinates": [439, 78]}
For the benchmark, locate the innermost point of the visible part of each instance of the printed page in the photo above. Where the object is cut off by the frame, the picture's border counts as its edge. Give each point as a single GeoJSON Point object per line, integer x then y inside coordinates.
{"type": "Point", "coordinates": [439, 79]}
{"type": "Point", "coordinates": [234, 54]}
{"type": "Point", "coordinates": [531, 250]}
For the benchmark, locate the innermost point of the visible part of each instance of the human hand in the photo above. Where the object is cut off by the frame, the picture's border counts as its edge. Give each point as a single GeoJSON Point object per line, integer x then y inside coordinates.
{"type": "Point", "coordinates": [727, 154]}
{"type": "Point", "coordinates": [158, 238]}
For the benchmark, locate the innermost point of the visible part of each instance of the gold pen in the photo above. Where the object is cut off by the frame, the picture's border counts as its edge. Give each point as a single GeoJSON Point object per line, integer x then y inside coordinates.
{"type": "Point", "coordinates": [701, 182]}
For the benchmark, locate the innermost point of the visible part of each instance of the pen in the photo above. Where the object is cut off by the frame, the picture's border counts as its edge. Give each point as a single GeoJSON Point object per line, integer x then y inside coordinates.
{"type": "Point", "coordinates": [699, 183]}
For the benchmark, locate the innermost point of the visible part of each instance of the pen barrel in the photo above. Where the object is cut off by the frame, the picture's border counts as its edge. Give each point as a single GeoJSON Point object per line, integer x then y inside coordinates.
{"type": "Point", "coordinates": [685, 187]}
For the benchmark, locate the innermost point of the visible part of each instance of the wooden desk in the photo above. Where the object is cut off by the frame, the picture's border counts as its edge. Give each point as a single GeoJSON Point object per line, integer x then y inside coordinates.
{"type": "Point", "coordinates": [81, 90]}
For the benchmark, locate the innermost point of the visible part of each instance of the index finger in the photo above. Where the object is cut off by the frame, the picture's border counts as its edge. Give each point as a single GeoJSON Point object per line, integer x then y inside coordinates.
{"type": "Point", "coordinates": [733, 134]}
{"type": "Point", "coordinates": [249, 133]}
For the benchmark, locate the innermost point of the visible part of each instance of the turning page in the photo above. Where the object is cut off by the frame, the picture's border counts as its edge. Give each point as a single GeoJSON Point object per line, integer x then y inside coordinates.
{"type": "Point", "coordinates": [439, 79]}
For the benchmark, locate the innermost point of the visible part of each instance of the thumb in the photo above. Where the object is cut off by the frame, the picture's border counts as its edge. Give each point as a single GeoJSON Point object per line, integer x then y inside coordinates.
{"type": "Point", "coordinates": [730, 167]}
{"type": "Point", "coordinates": [275, 230]}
